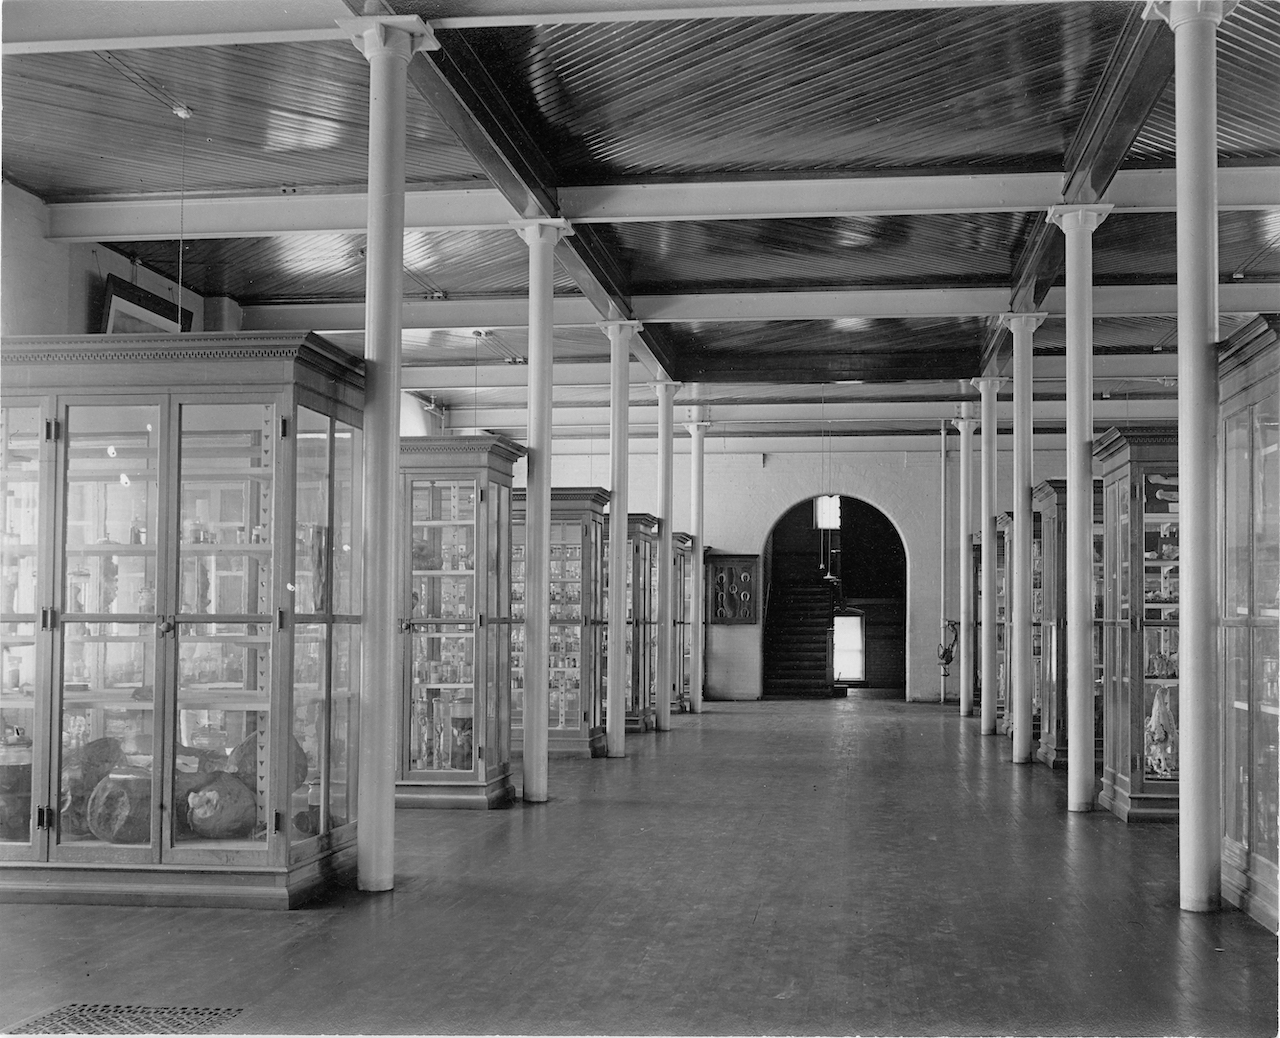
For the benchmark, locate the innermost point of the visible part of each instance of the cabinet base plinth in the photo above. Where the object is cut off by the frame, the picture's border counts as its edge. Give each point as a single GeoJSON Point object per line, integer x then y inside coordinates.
{"type": "Point", "coordinates": [562, 744]}
{"type": "Point", "coordinates": [1052, 755]}
{"type": "Point", "coordinates": [160, 887]}
{"type": "Point", "coordinates": [645, 721]}
{"type": "Point", "coordinates": [1139, 807]}
{"type": "Point", "coordinates": [1253, 893]}
{"type": "Point", "coordinates": [497, 792]}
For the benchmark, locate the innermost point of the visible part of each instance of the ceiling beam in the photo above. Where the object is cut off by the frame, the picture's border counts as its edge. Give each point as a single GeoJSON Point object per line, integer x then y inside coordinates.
{"type": "Point", "coordinates": [868, 303]}
{"type": "Point", "coordinates": [1138, 70]}
{"type": "Point", "coordinates": [471, 207]}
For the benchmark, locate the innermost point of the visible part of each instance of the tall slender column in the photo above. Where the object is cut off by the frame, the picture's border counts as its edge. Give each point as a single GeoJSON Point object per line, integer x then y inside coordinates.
{"type": "Point", "coordinates": [667, 590]}
{"type": "Point", "coordinates": [541, 236]}
{"type": "Point", "coordinates": [1023, 679]}
{"type": "Point", "coordinates": [1078, 222]}
{"type": "Point", "coordinates": [988, 386]}
{"type": "Point", "coordinates": [388, 44]}
{"type": "Point", "coordinates": [965, 424]}
{"type": "Point", "coordinates": [1195, 27]}
{"type": "Point", "coordinates": [620, 333]}
{"type": "Point", "coordinates": [697, 432]}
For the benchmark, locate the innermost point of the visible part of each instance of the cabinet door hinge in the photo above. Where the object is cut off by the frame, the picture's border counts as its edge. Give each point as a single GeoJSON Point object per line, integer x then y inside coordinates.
{"type": "Point", "coordinates": [480, 752]}
{"type": "Point", "coordinates": [52, 429]}
{"type": "Point", "coordinates": [480, 619]}
{"type": "Point", "coordinates": [279, 821]}
{"type": "Point", "coordinates": [48, 618]}
{"type": "Point", "coordinates": [280, 619]}
{"type": "Point", "coordinates": [284, 428]}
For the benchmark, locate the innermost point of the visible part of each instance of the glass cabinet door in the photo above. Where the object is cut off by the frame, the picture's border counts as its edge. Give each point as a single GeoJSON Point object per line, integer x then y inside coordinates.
{"type": "Point", "coordinates": [443, 580]}
{"type": "Point", "coordinates": [1160, 551]}
{"type": "Point", "coordinates": [109, 752]}
{"type": "Point", "coordinates": [224, 744]}
{"type": "Point", "coordinates": [20, 771]}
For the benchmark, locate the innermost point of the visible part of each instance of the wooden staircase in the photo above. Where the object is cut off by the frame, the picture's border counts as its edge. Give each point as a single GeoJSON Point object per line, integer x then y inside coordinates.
{"type": "Point", "coordinates": [797, 658]}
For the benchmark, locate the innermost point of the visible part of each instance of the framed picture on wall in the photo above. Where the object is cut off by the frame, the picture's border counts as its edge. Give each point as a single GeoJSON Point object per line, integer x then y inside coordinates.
{"type": "Point", "coordinates": [130, 310]}
{"type": "Point", "coordinates": [732, 589]}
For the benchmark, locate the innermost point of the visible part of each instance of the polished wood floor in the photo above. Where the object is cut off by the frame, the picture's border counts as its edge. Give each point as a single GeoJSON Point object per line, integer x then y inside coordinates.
{"type": "Point", "coordinates": [857, 866]}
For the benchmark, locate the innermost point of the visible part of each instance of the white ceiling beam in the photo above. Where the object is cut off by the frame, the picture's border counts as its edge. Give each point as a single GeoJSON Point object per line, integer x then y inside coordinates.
{"type": "Point", "coordinates": [473, 207]}
{"type": "Point", "coordinates": [576, 311]}
{"type": "Point", "coordinates": [503, 376]}
{"type": "Point", "coordinates": [271, 216]}
{"type": "Point", "coordinates": [45, 27]}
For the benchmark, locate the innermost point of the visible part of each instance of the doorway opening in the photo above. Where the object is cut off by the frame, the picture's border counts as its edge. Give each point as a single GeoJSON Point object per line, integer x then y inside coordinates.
{"type": "Point", "coordinates": [835, 606]}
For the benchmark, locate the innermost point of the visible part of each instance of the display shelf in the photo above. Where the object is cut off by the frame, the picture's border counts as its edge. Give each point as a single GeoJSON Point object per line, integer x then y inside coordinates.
{"type": "Point", "coordinates": [160, 674]}
{"type": "Point", "coordinates": [575, 681]}
{"type": "Point", "coordinates": [1140, 704]}
{"type": "Point", "coordinates": [1249, 667]}
{"type": "Point", "coordinates": [456, 713]}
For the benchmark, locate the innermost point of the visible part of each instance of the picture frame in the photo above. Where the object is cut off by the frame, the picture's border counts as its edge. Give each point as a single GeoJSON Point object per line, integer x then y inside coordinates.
{"type": "Point", "coordinates": [732, 584]}
{"type": "Point", "coordinates": [130, 310]}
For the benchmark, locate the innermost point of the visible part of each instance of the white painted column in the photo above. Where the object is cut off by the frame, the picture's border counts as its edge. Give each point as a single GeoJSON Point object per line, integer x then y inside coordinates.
{"type": "Point", "coordinates": [1195, 27]}
{"type": "Point", "coordinates": [619, 333]}
{"type": "Point", "coordinates": [697, 634]}
{"type": "Point", "coordinates": [1079, 222]}
{"type": "Point", "coordinates": [965, 424]}
{"type": "Point", "coordinates": [1022, 673]}
{"type": "Point", "coordinates": [989, 387]}
{"type": "Point", "coordinates": [541, 236]}
{"type": "Point", "coordinates": [388, 44]}
{"type": "Point", "coordinates": [668, 644]}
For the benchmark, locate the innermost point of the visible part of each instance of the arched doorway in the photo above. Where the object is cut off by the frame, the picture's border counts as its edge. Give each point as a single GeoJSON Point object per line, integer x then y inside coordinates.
{"type": "Point", "coordinates": [814, 578]}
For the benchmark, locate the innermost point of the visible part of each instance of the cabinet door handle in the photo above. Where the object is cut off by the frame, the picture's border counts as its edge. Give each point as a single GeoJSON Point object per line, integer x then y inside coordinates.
{"type": "Point", "coordinates": [406, 626]}
{"type": "Point", "coordinates": [166, 626]}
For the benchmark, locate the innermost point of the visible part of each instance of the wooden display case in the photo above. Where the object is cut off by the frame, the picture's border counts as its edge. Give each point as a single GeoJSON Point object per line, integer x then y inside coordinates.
{"type": "Point", "coordinates": [576, 673]}
{"type": "Point", "coordinates": [1050, 502]}
{"type": "Point", "coordinates": [682, 642]}
{"type": "Point", "coordinates": [998, 680]}
{"type": "Point", "coordinates": [180, 623]}
{"type": "Point", "coordinates": [1249, 670]}
{"type": "Point", "coordinates": [642, 618]}
{"type": "Point", "coordinates": [457, 604]}
{"type": "Point", "coordinates": [1140, 650]}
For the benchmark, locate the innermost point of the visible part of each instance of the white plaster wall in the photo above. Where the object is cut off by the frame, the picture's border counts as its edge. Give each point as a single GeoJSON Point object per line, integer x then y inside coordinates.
{"type": "Point", "coordinates": [52, 288]}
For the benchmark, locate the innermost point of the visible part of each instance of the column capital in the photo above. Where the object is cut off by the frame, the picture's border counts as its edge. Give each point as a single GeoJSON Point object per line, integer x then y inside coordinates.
{"type": "Point", "coordinates": [609, 327]}
{"type": "Point", "coordinates": [988, 382]}
{"type": "Point", "coordinates": [1076, 217]}
{"type": "Point", "coordinates": [665, 384]}
{"type": "Point", "coordinates": [964, 420]}
{"type": "Point", "coordinates": [402, 34]}
{"type": "Point", "coordinates": [534, 231]}
{"type": "Point", "coordinates": [1023, 322]}
{"type": "Point", "coordinates": [1179, 12]}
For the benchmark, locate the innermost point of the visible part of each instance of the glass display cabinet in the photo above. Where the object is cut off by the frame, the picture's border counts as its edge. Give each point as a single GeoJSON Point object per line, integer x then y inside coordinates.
{"type": "Point", "coordinates": [1140, 620]}
{"type": "Point", "coordinates": [576, 679]}
{"type": "Point", "coordinates": [180, 622]}
{"type": "Point", "coordinates": [457, 602]}
{"type": "Point", "coordinates": [1249, 438]}
{"type": "Point", "coordinates": [1049, 500]}
{"type": "Point", "coordinates": [682, 648]}
{"type": "Point", "coordinates": [997, 682]}
{"type": "Point", "coordinates": [1004, 614]}
{"type": "Point", "coordinates": [642, 610]}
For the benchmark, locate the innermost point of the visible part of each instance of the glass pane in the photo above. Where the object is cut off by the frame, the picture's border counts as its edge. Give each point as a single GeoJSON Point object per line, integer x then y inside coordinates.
{"type": "Point", "coordinates": [566, 676]}
{"type": "Point", "coordinates": [344, 724]}
{"type": "Point", "coordinates": [20, 466]}
{"type": "Point", "coordinates": [17, 716]}
{"type": "Point", "coordinates": [1160, 731]}
{"type": "Point", "coordinates": [517, 675]}
{"type": "Point", "coordinates": [496, 641]}
{"type": "Point", "coordinates": [1266, 742]}
{"type": "Point", "coordinates": [227, 459]}
{"type": "Point", "coordinates": [112, 460]}
{"type": "Point", "coordinates": [442, 698]}
{"type": "Point", "coordinates": [310, 724]}
{"type": "Point", "coordinates": [1235, 749]}
{"type": "Point", "coordinates": [108, 732]}
{"type": "Point", "coordinates": [1237, 515]}
{"type": "Point", "coordinates": [442, 549]}
{"type": "Point", "coordinates": [1266, 508]}
{"type": "Point", "coordinates": [311, 532]}
{"type": "Point", "coordinates": [347, 487]}
{"type": "Point", "coordinates": [221, 781]}
{"type": "Point", "coordinates": [1123, 546]}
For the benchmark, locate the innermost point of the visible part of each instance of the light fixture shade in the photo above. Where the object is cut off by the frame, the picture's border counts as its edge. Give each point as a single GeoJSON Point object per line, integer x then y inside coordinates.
{"type": "Point", "coordinates": [826, 512]}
